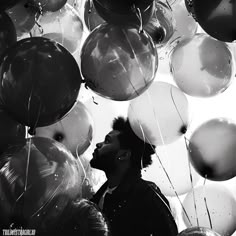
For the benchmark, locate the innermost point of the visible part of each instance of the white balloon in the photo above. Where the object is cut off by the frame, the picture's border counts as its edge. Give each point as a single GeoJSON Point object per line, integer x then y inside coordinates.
{"type": "Point", "coordinates": [160, 115]}
{"type": "Point", "coordinates": [220, 204]}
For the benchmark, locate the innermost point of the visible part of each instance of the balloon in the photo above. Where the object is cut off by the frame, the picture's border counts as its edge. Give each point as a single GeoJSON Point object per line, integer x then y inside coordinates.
{"type": "Point", "coordinates": [210, 70]}
{"type": "Point", "coordinates": [198, 231]}
{"type": "Point", "coordinates": [75, 130]}
{"type": "Point", "coordinates": [49, 5]}
{"type": "Point", "coordinates": [160, 115]}
{"type": "Point", "coordinates": [125, 12]}
{"type": "Point", "coordinates": [23, 16]}
{"type": "Point", "coordinates": [185, 25]}
{"type": "Point", "coordinates": [166, 174]}
{"type": "Point", "coordinates": [8, 32]}
{"type": "Point", "coordinates": [217, 18]}
{"type": "Point", "coordinates": [5, 4]}
{"type": "Point", "coordinates": [64, 26]}
{"type": "Point", "coordinates": [212, 149]}
{"type": "Point", "coordinates": [118, 62]}
{"type": "Point", "coordinates": [215, 205]}
{"type": "Point", "coordinates": [40, 81]}
{"type": "Point", "coordinates": [38, 177]}
{"type": "Point", "coordinates": [161, 25]}
{"type": "Point", "coordinates": [10, 130]}
{"type": "Point", "coordinates": [91, 18]}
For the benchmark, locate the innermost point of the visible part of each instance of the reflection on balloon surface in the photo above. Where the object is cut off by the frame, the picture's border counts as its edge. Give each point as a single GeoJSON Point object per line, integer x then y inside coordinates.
{"type": "Point", "coordinates": [217, 18]}
{"type": "Point", "coordinates": [38, 178]}
{"type": "Point", "coordinates": [118, 62]}
{"type": "Point", "coordinates": [210, 70]}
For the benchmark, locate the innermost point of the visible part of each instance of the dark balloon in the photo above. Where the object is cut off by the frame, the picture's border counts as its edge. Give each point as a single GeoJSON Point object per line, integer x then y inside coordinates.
{"type": "Point", "coordinates": [38, 177]}
{"type": "Point", "coordinates": [118, 62]}
{"type": "Point", "coordinates": [23, 16]}
{"type": "Point", "coordinates": [198, 231]}
{"type": "Point", "coordinates": [125, 11]}
{"type": "Point", "coordinates": [10, 130]}
{"type": "Point", "coordinates": [91, 18]}
{"type": "Point", "coordinates": [49, 5]}
{"type": "Point", "coordinates": [40, 81]}
{"type": "Point", "coordinates": [7, 32]}
{"type": "Point", "coordinates": [217, 18]}
{"type": "Point", "coordinates": [5, 4]}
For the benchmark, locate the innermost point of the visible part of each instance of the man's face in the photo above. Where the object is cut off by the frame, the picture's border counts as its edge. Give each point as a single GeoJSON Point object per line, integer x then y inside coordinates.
{"type": "Point", "coordinates": [105, 155]}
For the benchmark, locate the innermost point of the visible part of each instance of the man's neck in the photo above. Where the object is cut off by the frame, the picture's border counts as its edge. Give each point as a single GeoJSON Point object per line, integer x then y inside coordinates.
{"type": "Point", "coordinates": [115, 178]}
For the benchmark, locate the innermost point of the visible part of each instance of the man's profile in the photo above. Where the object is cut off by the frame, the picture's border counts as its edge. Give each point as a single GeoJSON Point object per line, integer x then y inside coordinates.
{"type": "Point", "coordinates": [132, 205]}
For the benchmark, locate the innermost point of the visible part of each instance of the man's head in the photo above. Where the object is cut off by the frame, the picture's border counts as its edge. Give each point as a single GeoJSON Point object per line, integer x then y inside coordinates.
{"type": "Point", "coordinates": [122, 148]}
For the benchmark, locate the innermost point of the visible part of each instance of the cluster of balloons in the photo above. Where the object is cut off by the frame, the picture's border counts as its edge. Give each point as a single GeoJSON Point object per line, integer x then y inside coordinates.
{"type": "Point", "coordinates": [45, 128]}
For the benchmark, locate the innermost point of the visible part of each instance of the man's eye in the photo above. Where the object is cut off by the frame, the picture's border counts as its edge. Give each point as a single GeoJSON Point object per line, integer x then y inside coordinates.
{"type": "Point", "coordinates": [106, 141]}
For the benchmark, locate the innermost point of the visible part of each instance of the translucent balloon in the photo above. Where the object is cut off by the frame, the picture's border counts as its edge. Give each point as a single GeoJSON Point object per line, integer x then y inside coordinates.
{"type": "Point", "coordinates": [171, 160]}
{"type": "Point", "coordinates": [75, 130]}
{"type": "Point", "coordinates": [23, 16]}
{"type": "Point", "coordinates": [38, 178]}
{"type": "Point", "coordinates": [210, 70]}
{"type": "Point", "coordinates": [63, 26]}
{"type": "Point", "coordinates": [125, 12]}
{"type": "Point", "coordinates": [198, 231]}
{"type": "Point", "coordinates": [10, 130]}
{"type": "Point", "coordinates": [215, 207]}
{"type": "Point", "coordinates": [161, 26]}
{"type": "Point", "coordinates": [40, 81]}
{"type": "Point", "coordinates": [212, 149]}
{"type": "Point", "coordinates": [91, 17]}
{"type": "Point", "coordinates": [8, 32]}
{"type": "Point", "coordinates": [118, 62]}
{"type": "Point", "coordinates": [160, 115]}
{"type": "Point", "coordinates": [186, 26]}
{"type": "Point", "coordinates": [217, 18]}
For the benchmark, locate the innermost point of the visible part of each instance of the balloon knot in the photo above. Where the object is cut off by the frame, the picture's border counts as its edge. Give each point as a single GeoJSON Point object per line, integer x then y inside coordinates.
{"type": "Point", "coordinates": [32, 131]}
{"type": "Point", "coordinates": [183, 129]}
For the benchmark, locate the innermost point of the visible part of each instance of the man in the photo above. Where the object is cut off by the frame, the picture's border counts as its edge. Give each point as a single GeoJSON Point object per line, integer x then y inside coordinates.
{"type": "Point", "coordinates": [132, 205]}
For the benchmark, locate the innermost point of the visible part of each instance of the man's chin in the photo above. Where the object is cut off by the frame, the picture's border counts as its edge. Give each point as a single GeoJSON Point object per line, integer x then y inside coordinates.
{"type": "Point", "coordinates": [94, 163]}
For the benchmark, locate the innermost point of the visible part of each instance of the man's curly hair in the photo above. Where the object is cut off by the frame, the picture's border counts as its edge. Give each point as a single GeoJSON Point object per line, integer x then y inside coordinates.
{"type": "Point", "coordinates": [140, 150]}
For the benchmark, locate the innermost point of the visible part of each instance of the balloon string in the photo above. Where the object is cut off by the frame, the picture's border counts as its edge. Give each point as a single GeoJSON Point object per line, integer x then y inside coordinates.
{"type": "Point", "coordinates": [62, 30]}
{"type": "Point", "coordinates": [207, 209]}
{"type": "Point", "coordinates": [168, 4]}
{"type": "Point", "coordinates": [191, 179]}
{"type": "Point", "coordinates": [48, 200]}
{"type": "Point", "coordinates": [139, 16]}
{"type": "Point", "coordinates": [176, 108]}
{"type": "Point", "coordinates": [162, 139]}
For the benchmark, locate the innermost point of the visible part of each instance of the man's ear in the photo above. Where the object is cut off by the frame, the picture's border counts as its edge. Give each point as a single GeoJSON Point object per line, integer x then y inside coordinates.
{"type": "Point", "coordinates": [124, 154]}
